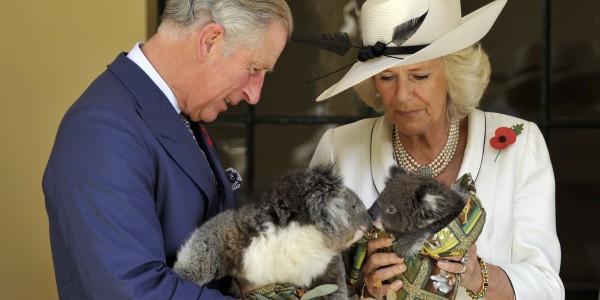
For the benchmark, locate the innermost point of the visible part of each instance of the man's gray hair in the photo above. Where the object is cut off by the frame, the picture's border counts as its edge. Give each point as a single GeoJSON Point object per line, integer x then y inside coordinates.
{"type": "Point", "coordinates": [245, 21]}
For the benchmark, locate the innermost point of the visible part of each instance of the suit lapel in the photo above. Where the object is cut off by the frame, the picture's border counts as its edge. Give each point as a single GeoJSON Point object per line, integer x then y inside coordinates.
{"type": "Point", "coordinates": [172, 134]}
{"type": "Point", "coordinates": [163, 121]}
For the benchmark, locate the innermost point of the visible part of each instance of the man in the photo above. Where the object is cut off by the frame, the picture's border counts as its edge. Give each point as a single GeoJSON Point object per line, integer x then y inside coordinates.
{"type": "Point", "coordinates": [127, 182]}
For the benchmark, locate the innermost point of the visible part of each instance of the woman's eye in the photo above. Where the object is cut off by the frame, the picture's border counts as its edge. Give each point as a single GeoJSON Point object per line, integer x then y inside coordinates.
{"type": "Point", "coordinates": [421, 77]}
{"type": "Point", "coordinates": [386, 77]}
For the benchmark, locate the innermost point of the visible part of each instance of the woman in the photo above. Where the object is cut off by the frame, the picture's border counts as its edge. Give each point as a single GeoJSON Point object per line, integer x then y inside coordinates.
{"type": "Point", "coordinates": [428, 76]}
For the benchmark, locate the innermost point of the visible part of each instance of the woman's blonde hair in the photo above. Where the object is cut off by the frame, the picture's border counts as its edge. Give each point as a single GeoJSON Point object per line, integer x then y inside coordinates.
{"type": "Point", "coordinates": [467, 76]}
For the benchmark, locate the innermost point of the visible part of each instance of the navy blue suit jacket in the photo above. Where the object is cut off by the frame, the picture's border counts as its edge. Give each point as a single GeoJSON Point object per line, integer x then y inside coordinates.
{"type": "Point", "coordinates": [125, 186]}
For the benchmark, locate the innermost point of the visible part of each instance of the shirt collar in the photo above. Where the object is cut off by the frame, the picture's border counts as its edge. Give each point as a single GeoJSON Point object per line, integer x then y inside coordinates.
{"type": "Point", "coordinates": [138, 57]}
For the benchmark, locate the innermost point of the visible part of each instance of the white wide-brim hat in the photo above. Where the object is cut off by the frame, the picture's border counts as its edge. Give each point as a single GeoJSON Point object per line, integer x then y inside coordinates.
{"type": "Point", "coordinates": [443, 31]}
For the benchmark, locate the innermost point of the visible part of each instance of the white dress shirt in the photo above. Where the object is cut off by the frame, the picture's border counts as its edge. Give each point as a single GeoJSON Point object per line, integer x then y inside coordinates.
{"type": "Point", "coordinates": [138, 57]}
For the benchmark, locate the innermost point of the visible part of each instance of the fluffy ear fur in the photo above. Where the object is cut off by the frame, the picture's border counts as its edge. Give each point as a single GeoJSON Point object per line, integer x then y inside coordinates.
{"type": "Point", "coordinates": [414, 207]}
{"type": "Point", "coordinates": [301, 222]}
{"type": "Point", "coordinates": [394, 172]}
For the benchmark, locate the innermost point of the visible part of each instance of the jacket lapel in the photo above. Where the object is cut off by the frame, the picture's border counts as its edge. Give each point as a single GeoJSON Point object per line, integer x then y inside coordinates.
{"type": "Point", "coordinates": [163, 121]}
{"type": "Point", "coordinates": [175, 138]}
{"type": "Point", "coordinates": [382, 156]}
{"type": "Point", "coordinates": [476, 144]}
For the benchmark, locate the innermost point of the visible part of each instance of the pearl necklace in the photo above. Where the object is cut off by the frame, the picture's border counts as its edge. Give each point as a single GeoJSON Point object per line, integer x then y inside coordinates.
{"type": "Point", "coordinates": [435, 167]}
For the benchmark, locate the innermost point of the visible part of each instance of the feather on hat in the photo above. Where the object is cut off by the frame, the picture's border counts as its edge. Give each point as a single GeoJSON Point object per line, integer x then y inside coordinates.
{"type": "Point", "coordinates": [402, 32]}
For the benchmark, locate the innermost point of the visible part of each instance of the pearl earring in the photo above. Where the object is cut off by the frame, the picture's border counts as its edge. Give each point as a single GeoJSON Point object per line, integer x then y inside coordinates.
{"type": "Point", "coordinates": [377, 95]}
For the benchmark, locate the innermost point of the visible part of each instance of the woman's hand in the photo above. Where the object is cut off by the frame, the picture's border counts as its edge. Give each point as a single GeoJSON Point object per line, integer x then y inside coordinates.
{"type": "Point", "coordinates": [498, 287]}
{"type": "Point", "coordinates": [466, 267]}
{"type": "Point", "coordinates": [381, 266]}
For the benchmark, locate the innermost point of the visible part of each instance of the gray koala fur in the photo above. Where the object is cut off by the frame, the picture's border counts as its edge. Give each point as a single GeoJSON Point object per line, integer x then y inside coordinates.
{"type": "Point", "coordinates": [414, 207]}
{"type": "Point", "coordinates": [294, 233]}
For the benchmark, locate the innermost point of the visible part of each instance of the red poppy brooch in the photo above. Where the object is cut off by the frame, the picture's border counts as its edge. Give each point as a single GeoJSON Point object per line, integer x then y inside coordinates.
{"type": "Point", "coordinates": [504, 137]}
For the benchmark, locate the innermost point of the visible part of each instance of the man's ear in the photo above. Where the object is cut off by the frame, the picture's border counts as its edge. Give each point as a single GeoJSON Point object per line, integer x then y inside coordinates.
{"type": "Point", "coordinates": [209, 40]}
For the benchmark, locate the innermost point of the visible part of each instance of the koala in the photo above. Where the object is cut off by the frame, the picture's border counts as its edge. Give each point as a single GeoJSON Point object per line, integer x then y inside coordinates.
{"type": "Point", "coordinates": [414, 208]}
{"type": "Point", "coordinates": [294, 233]}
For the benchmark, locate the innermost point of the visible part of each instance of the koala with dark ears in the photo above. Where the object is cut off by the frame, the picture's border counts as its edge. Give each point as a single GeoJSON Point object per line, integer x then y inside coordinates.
{"type": "Point", "coordinates": [414, 208]}
{"type": "Point", "coordinates": [292, 234]}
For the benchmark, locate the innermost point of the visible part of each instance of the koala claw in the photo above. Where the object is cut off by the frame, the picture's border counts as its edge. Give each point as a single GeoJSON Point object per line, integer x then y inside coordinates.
{"type": "Point", "coordinates": [442, 282]}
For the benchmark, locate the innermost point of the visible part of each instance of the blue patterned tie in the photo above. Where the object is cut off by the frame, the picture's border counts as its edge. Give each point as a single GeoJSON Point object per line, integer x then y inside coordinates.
{"type": "Point", "coordinates": [234, 178]}
{"type": "Point", "coordinates": [187, 122]}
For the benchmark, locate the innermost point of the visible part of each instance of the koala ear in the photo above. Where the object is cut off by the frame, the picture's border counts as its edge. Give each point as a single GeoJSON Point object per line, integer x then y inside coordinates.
{"type": "Point", "coordinates": [395, 171]}
{"type": "Point", "coordinates": [427, 194]}
{"type": "Point", "coordinates": [321, 183]}
{"type": "Point", "coordinates": [324, 174]}
{"type": "Point", "coordinates": [421, 192]}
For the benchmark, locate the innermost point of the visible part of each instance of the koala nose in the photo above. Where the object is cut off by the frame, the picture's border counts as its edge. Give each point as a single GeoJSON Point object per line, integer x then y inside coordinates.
{"type": "Point", "coordinates": [374, 211]}
{"type": "Point", "coordinates": [370, 227]}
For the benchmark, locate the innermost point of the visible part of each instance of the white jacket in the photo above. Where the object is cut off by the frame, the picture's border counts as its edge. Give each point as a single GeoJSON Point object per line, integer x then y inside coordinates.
{"type": "Point", "coordinates": [517, 192]}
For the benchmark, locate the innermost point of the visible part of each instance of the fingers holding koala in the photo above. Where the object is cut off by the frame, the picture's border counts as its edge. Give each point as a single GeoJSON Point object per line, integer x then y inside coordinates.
{"type": "Point", "coordinates": [380, 267]}
{"type": "Point", "coordinates": [375, 244]}
{"type": "Point", "coordinates": [468, 268]}
{"type": "Point", "coordinates": [374, 281]}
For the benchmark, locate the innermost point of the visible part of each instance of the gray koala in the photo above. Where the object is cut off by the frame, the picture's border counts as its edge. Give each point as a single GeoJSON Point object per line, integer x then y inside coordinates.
{"type": "Point", "coordinates": [293, 233]}
{"type": "Point", "coordinates": [414, 208]}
